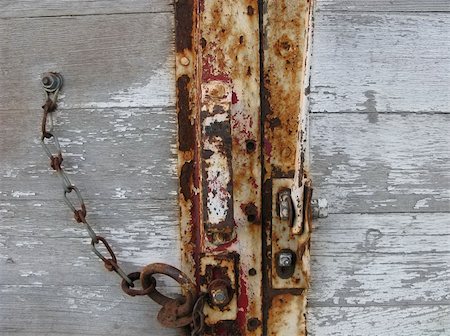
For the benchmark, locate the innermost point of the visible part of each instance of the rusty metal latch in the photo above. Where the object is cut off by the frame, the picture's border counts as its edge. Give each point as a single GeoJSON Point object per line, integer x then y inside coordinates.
{"type": "Point", "coordinates": [245, 189]}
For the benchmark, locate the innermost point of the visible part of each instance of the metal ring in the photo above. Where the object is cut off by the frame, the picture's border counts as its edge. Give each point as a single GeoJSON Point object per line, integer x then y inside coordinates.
{"type": "Point", "coordinates": [127, 287]}
{"type": "Point", "coordinates": [180, 308]}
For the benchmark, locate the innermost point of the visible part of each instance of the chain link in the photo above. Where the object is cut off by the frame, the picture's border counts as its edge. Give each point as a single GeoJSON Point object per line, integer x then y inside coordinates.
{"type": "Point", "coordinates": [174, 313]}
{"type": "Point", "coordinates": [198, 317]}
{"type": "Point", "coordinates": [52, 83]}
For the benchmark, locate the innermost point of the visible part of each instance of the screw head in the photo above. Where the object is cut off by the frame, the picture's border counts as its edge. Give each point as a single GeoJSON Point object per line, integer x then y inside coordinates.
{"type": "Point", "coordinates": [285, 259]}
{"type": "Point", "coordinates": [185, 61]}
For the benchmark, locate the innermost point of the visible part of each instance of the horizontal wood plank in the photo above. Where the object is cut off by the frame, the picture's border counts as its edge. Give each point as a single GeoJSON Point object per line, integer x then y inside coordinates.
{"type": "Point", "coordinates": [48, 240]}
{"type": "Point", "coordinates": [109, 154]}
{"type": "Point", "coordinates": [77, 310]}
{"type": "Point", "coordinates": [371, 162]}
{"type": "Point", "coordinates": [381, 62]}
{"type": "Point", "coordinates": [27, 8]}
{"type": "Point", "coordinates": [106, 60]}
{"type": "Point", "coordinates": [380, 259]}
{"type": "Point", "coordinates": [41, 239]}
{"type": "Point", "coordinates": [390, 234]}
{"type": "Point", "coordinates": [384, 5]}
{"type": "Point", "coordinates": [420, 320]}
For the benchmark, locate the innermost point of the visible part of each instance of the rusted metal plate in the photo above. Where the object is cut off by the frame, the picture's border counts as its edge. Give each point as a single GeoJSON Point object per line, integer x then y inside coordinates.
{"type": "Point", "coordinates": [295, 275]}
{"type": "Point", "coordinates": [186, 44]}
{"type": "Point", "coordinates": [285, 50]}
{"type": "Point", "coordinates": [220, 267]}
{"type": "Point", "coordinates": [218, 109]}
{"type": "Point", "coordinates": [228, 234]}
{"type": "Point", "coordinates": [216, 144]}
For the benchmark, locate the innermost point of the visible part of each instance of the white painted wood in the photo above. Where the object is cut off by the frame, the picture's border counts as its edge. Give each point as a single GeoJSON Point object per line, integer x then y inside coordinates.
{"type": "Point", "coordinates": [381, 62]}
{"type": "Point", "coordinates": [371, 162]}
{"type": "Point", "coordinates": [106, 60]}
{"type": "Point", "coordinates": [384, 5]}
{"type": "Point", "coordinates": [418, 320]}
{"type": "Point", "coordinates": [30, 8]}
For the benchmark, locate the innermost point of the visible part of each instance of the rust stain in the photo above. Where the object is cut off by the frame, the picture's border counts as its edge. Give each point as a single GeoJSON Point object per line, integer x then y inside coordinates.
{"type": "Point", "coordinates": [186, 130]}
{"type": "Point", "coordinates": [283, 72]}
{"type": "Point", "coordinates": [184, 24]}
{"type": "Point", "coordinates": [186, 176]}
{"type": "Point", "coordinates": [288, 314]}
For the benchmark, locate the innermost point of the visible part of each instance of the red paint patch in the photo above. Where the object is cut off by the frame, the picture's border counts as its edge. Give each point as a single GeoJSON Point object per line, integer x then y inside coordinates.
{"type": "Point", "coordinates": [225, 246]}
{"type": "Point", "coordinates": [234, 98]}
{"type": "Point", "coordinates": [242, 303]}
{"type": "Point", "coordinates": [267, 148]}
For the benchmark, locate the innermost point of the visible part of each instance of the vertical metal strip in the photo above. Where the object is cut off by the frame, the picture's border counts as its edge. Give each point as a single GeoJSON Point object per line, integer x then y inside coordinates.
{"type": "Point", "coordinates": [285, 47]}
{"type": "Point", "coordinates": [230, 66]}
{"type": "Point", "coordinates": [218, 106]}
{"type": "Point", "coordinates": [186, 44]}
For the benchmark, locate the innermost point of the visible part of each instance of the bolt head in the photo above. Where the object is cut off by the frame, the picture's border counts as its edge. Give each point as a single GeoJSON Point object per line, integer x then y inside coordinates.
{"type": "Point", "coordinates": [285, 259]}
{"type": "Point", "coordinates": [219, 292]}
{"type": "Point", "coordinates": [319, 208]}
{"type": "Point", "coordinates": [47, 81]}
{"type": "Point", "coordinates": [219, 296]}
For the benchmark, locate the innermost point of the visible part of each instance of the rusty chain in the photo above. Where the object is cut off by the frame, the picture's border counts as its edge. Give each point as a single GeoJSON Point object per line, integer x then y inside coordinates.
{"type": "Point", "coordinates": [180, 312]}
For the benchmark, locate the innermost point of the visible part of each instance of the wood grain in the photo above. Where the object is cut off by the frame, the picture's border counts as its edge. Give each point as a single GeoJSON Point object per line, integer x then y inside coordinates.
{"type": "Point", "coordinates": [417, 320]}
{"type": "Point", "coordinates": [381, 260]}
{"type": "Point", "coordinates": [47, 8]}
{"type": "Point", "coordinates": [94, 310]}
{"type": "Point", "coordinates": [40, 239]}
{"type": "Point", "coordinates": [106, 60]}
{"type": "Point", "coordinates": [371, 162]}
{"type": "Point", "coordinates": [384, 5]}
{"type": "Point", "coordinates": [381, 62]}
{"type": "Point", "coordinates": [112, 153]}
{"type": "Point", "coordinates": [380, 273]}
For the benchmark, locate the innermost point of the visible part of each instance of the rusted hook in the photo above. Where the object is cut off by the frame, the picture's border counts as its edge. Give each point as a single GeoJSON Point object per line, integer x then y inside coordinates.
{"type": "Point", "coordinates": [175, 313]}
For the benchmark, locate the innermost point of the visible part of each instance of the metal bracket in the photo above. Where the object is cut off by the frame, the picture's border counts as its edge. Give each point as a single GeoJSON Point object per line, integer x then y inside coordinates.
{"type": "Point", "coordinates": [245, 192]}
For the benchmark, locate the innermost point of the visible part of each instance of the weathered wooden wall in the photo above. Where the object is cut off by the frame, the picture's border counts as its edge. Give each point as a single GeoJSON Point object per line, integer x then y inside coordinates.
{"type": "Point", "coordinates": [380, 150]}
{"type": "Point", "coordinates": [381, 156]}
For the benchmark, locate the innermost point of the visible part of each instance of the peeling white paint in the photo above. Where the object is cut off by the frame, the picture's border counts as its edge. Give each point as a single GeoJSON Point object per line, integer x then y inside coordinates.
{"type": "Point", "coordinates": [18, 194]}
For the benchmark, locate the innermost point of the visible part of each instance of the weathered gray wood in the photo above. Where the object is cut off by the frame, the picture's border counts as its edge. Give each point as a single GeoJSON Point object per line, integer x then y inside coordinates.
{"type": "Point", "coordinates": [384, 5]}
{"type": "Point", "coordinates": [381, 259]}
{"type": "Point", "coordinates": [27, 8]}
{"type": "Point", "coordinates": [415, 320]}
{"type": "Point", "coordinates": [93, 310]}
{"type": "Point", "coordinates": [39, 240]}
{"type": "Point", "coordinates": [111, 153]}
{"type": "Point", "coordinates": [370, 162]}
{"type": "Point", "coordinates": [372, 274]}
{"type": "Point", "coordinates": [106, 60]}
{"type": "Point", "coordinates": [381, 62]}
